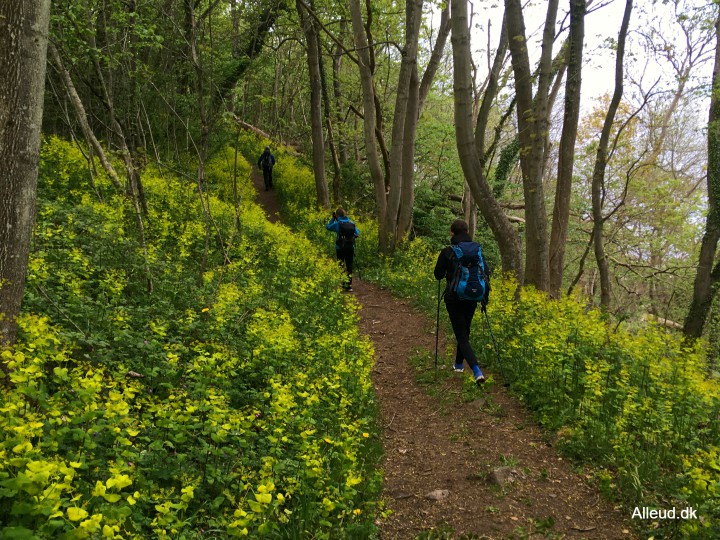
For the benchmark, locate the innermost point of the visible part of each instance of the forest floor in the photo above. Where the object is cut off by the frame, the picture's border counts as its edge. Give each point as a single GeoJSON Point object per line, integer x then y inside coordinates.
{"type": "Point", "coordinates": [460, 448]}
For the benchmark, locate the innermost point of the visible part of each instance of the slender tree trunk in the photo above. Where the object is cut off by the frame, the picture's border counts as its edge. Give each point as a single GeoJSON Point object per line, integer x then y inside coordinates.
{"type": "Point", "coordinates": [598, 178]}
{"type": "Point", "coordinates": [278, 90]}
{"type": "Point", "coordinates": [407, 198]}
{"type": "Point", "coordinates": [135, 188]}
{"type": "Point", "coordinates": [82, 117]}
{"type": "Point", "coordinates": [435, 57]}
{"type": "Point", "coordinates": [235, 18]}
{"type": "Point", "coordinates": [417, 95]}
{"type": "Point", "coordinates": [532, 117]}
{"type": "Point", "coordinates": [191, 36]}
{"type": "Point", "coordinates": [328, 115]}
{"type": "Point", "coordinates": [707, 276]}
{"type": "Point", "coordinates": [408, 64]}
{"type": "Point", "coordinates": [369, 116]}
{"type": "Point", "coordinates": [316, 115]}
{"type": "Point", "coordinates": [469, 209]}
{"type": "Point", "coordinates": [334, 155]}
{"type": "Point", "coordinates": [491, 90]}
{"type": "Point", "coordinates": [561, 211]}
{"type": "Point", "coordinates": [337, 96]}
{"type": "Point", "coordinates": [23, 53]}
{"type": "Point", "coordinates": [468, 149]}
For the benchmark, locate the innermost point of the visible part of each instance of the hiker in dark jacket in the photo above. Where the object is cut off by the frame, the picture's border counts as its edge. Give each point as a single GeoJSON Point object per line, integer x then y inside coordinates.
{"type": "Point", "coordinates": [345, 234]}
{"type": "Point", "coordinates": [266, 162]}
{"type": "Point", "coordinates": [460, 311]}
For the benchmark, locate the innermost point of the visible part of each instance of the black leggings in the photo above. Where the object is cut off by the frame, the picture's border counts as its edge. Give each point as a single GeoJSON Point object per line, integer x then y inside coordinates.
{"type": "Point", "coordinates": [346, 256]}
{"type": "Point", "coordinates": [461, 314]}
{"type": "Point", "coordinates": [267, 177]}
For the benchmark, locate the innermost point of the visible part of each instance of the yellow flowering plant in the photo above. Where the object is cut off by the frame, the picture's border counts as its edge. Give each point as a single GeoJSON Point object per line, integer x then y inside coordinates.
{"type": "Point", "coordinates": [202, 405]}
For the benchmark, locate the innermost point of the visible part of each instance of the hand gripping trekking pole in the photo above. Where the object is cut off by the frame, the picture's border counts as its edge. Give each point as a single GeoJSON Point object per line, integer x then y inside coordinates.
{"type": "Point", "coordinates": [497, 350]}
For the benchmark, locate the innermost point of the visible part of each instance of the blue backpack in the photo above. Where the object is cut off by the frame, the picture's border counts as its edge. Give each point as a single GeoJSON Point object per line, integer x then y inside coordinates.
{"type": "Point", "coordinates": [470, 279]}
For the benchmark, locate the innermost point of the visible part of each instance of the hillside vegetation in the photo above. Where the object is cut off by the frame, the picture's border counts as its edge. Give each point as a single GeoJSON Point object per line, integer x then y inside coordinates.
{"type": "Point", "coordinates": [235, 400]}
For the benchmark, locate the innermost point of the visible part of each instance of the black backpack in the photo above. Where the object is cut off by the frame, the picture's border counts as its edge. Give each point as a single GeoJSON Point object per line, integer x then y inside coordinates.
{"type": "Point", "coordinates": [266, 160]}
{"type": "Point", "coordinates": [346, 233]}
{"type": "Point", "coordinates": [470, 280]}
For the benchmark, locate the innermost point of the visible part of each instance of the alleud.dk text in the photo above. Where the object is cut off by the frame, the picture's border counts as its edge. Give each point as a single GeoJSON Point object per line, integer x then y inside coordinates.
{"type": "Point", "coordinates": [672, 513]}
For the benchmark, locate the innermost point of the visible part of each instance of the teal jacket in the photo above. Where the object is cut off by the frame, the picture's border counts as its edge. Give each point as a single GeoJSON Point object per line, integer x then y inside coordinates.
{"type": "Point", "coordinates": [334, 226]}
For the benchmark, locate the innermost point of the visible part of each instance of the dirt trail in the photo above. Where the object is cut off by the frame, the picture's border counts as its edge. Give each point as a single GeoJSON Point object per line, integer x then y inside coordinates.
{"type": "Point", "coordinates": [446, 444]}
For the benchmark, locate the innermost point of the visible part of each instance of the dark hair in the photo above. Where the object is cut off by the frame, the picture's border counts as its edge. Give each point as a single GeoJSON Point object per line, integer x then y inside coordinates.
{"type": "Point", "coordinates": [459, 226]}
{"type": "Point", "coordinates": [267, 148]}
{"type": "Point", "coordinates": [340, 212]}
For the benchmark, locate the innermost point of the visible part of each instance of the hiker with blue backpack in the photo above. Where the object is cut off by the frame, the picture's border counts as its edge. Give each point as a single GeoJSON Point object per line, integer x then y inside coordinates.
{"type": "Point", "coordinates": [467, 274]}
{"type": "Point", "coordinates": [345, 234]}
{"type": "Point", "coordinates": [266, 162]}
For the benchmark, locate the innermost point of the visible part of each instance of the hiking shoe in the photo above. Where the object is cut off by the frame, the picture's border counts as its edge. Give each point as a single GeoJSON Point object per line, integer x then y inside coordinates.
{"type": "Point", "coordinates": [480, 380]}
{"type": "Point", "coordinates": [458, 368]}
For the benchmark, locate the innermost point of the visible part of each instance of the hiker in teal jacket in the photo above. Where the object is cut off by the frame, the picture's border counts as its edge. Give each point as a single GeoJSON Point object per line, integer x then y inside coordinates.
{"type": "Point", "coordinates": [460, 311]}
{"type": "Point", "coordinates": [345, 234]}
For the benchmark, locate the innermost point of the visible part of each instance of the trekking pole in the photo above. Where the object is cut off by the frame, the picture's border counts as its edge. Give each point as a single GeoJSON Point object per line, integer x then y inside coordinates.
{"type": "Point", "coordinates": [437, 327]}
{"type": "Point", "coordinates": [497, 350]}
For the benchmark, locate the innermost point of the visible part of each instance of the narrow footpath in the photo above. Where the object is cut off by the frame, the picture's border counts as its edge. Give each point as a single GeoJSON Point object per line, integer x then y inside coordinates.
{"type": "Point", "coordinates": [480, 469]}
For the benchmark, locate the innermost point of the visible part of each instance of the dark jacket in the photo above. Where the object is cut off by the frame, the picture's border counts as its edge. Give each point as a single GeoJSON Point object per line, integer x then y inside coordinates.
{"type": "Point", "coordinates": [261, 161]}
{"type": "Point", "coordinates": [446, 262]}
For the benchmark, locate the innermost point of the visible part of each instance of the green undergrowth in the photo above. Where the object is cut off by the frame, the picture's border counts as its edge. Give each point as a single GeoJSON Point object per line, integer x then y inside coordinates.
{"type": "Point", "coordinates": [634, 404]}
{"type": "Point", "coordinates": [216, 387]}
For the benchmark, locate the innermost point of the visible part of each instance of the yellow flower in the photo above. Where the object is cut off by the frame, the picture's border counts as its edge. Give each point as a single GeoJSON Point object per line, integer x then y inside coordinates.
{"type": "Point", "coordinates": [205, 309]}
{"type": "Point", "coordinates": [357, 511]}
{"type": "Point", "coordinates": [366, 435]}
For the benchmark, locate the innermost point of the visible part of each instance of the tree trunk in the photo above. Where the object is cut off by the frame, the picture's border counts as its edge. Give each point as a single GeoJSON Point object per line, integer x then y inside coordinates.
{"type": "Point", "coordinates": [337, 96]}
{"type": "Point", "coordinates": [369, 116]}
{"type": "Point", "coordinates": [82, 117]}
{"type": "Point", "coordinates": [417, 94]}
{"type": "Point", "coordinates": [23, 53]}
{"type": "Point", "coordinates": [408, 64]}
{"type": "Point", "coordinates": [435, 56]}
{"type": "Point", "coordinates": [328, 115]}
{"type": "Point", "coordinates": [707, 276]}
{"type": "Point", "coordinates": [407, 200]}
{"type": "Point", "coordinates": [532, 118]}
{"type": "Point", "coordinates": [316, 114]}
{"type": "Point", "coordinates": [235, 19]}
{"type": "Point", "coordinates": [566, 159]}
{"type": "Point", "coordinates": [598, 178]}
{"type": "Point", "coordinates": [468, 151]}
{"type": "Point", "coordinates": [191, 36]}
{"type": "Point", "coordinates": [469, 209]}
